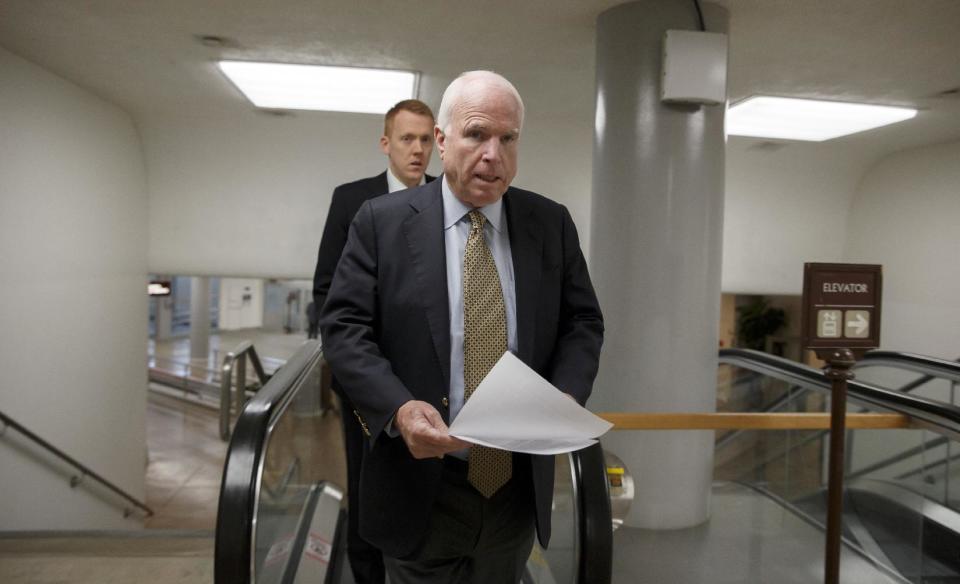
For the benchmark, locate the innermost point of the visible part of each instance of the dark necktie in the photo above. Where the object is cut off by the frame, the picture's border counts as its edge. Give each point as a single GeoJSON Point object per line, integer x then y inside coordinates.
{"type": "Point", "coordinates": [484, 342]}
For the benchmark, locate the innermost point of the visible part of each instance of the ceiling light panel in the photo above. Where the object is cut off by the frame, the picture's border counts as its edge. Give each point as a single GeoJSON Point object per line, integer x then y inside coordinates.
{"type": "Point", "coordinates": [807, 119]}
{"type": "Point", "coordinates": [311, 87]}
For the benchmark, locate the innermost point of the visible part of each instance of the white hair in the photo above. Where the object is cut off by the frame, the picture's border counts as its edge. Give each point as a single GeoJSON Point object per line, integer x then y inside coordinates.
{"type": "Point", "coordinates": [455, 92]}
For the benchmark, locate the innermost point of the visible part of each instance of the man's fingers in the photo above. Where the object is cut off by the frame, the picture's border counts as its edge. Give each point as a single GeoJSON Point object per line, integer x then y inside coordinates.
{"type": "Point", "coordinates": [423, 430]}
{"type": "Point", "coordinates": [458, 444]}
{"type": "Point", "coordinates": [435, 419]}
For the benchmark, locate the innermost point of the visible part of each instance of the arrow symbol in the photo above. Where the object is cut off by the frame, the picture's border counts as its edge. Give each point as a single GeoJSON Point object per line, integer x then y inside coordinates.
{"type": "Point", "coordinates": [859, 324]}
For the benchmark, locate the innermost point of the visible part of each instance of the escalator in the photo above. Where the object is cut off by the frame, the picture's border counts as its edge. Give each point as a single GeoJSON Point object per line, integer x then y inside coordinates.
{"type": "Point", "coordinates": [902, 487]}
{"type": "Point", "coordinates": [280, 519]}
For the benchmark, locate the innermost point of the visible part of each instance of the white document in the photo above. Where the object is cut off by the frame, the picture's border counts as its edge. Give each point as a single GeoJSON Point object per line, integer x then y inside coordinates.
{"type": "Point", "coordinates": [515, 409]}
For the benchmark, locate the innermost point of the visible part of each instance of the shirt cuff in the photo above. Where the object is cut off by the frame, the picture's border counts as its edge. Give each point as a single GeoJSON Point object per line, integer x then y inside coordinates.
{"type": "Point", "coordinates": [389, 428]}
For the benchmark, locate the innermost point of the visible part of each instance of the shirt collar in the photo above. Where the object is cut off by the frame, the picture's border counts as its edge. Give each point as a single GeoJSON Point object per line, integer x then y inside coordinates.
{"type": "Point", "coordinates": [394, 184]}
{"type": "Point", "coordinates": [454, 209]}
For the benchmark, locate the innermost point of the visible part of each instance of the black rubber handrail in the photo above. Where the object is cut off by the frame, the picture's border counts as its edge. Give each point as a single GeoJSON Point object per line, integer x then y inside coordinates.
{"type": "Point", "coordinates": [935, 415]}
{"type": "Point", "coordinates": [594, 521]}
{"type": "Point", "coordinates": [84, 470]}
{"type": "Point", "coordinates": [233, 552]}
{"type": "Point", "coordinates": [930, 367]}
{"type": "Point", "coordinates": [236, 511]}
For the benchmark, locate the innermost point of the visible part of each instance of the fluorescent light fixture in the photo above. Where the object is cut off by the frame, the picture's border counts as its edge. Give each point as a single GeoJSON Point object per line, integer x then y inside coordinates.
{"type": "Point", "coordinates": [158, 289]}
{"type": "Point", "coordinates": [789, 118]}
{"type": "Point", "coordinates": [311, 87]}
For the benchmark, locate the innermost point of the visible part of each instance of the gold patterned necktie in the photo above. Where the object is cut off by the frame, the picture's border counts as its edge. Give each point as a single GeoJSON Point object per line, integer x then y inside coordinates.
{"type": "Point", "coordinates": [484, 342]}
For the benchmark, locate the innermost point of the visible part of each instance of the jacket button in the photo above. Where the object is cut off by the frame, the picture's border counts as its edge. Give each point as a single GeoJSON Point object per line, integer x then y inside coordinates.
{"type": "Point", "coordinates": [445, 402]}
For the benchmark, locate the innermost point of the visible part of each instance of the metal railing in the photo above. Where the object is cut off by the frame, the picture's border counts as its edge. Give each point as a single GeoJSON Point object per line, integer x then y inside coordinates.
{"type": "Point", "coordinates": [190, 378]}
{"type": "Point", "coordinates": [236, 360]}
{"type": "Point", "coordinates": [83, 470]}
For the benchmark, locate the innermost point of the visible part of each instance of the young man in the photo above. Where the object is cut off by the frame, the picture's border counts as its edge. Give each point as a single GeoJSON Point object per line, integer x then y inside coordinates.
{"type": "Point", "coordinates": [408, 142]}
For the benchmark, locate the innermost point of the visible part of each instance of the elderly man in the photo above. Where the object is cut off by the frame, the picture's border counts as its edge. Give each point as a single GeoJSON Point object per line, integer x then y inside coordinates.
{"type": "Point", "coordinates": [434, 285]}
{"type": "Point", "coordinates": [408, 142]}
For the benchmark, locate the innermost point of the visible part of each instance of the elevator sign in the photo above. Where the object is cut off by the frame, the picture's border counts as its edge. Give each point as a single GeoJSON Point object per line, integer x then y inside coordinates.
{"type": "Point", "coordinates": [841, 307]}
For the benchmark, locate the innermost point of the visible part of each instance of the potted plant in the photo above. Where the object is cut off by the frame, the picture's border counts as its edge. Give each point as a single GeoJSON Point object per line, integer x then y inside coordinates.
{"type": "Point", "coordinates": [756, 321]}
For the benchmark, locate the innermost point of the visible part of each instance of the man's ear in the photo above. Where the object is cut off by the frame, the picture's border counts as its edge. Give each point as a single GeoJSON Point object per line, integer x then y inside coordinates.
{"type": "Point", "coordinates": [439, 138]}
{"type": "Point", "coordinates": [385, 144]}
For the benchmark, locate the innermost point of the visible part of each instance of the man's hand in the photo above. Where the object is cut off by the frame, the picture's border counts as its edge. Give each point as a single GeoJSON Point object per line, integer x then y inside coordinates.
{"type": "Point", "coordinates": [423, 430]}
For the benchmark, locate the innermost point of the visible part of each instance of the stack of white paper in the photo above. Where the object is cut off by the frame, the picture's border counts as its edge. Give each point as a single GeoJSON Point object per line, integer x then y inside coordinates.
{"type": "Point", "coordinates": [515, 409]}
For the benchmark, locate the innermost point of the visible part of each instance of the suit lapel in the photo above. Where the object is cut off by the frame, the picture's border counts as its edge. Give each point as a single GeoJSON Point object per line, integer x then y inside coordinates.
{"type": "Point", "coordinates": [424, 232]}
{"type": "Point", "coordinates": [382, 186]}
{"type": "Point", "coordinates": [526, 246]}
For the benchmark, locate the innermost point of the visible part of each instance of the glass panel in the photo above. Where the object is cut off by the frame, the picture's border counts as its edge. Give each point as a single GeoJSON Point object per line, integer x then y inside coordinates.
{"type": "Point", "coordinates": [299, 450]}
{"type": "Point", "coordinates": [558, 564]}
{"type": "Point", "coordinates": [950, 470]}
{"type": "Point", "coordinates": [885, 498]}
{"type": "Point", "coordinates": [901, 516]}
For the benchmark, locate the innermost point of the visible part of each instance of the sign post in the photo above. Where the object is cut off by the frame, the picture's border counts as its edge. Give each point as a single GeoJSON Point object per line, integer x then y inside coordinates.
{"type": "Point", "coordinates": [841, 321]}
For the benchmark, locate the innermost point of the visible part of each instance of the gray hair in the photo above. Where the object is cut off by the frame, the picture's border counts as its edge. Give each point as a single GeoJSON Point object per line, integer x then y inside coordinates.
{"type": "Point", "coordinates": [454, 93]}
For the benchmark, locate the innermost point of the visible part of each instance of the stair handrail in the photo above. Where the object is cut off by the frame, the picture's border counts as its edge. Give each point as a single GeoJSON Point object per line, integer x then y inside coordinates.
{"type": "Point", "coordinates": [84, 470]}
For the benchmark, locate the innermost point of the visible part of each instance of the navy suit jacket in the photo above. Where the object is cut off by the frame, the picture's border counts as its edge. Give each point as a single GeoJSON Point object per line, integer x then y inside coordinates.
{"type": "Point", "coordinates": [386, 332]}
{"type": "Point", "coordinates": [346, 200]}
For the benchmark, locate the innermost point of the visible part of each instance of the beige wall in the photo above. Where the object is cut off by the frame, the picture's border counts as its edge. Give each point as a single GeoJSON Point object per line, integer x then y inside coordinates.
{"type": "Point", "coordinates": [246, 194]}
{"type": "Point", "coordinates": [73, 302]}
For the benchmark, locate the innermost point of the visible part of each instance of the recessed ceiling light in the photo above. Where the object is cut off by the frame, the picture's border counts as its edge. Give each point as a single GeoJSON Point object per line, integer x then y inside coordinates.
{"type": "Point", "coordinates": [311, 87]}
{"type": "Point", "coordinates": [808, 119]}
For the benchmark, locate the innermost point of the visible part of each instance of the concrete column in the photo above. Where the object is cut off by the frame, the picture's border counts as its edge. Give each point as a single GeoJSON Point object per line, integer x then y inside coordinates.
{"type": "Point", "coordinates": [199, 317]}
{"type": "Point", "coordinates": [657, 220]}
{"type": "Point", "coordinates": [164, 317]}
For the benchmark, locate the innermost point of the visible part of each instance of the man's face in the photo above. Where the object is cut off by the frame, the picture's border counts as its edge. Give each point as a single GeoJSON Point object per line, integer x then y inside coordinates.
{"type": "Point", "coordinates": [409, 146]}
{"type": "Point", "coordinates": [480, 150]}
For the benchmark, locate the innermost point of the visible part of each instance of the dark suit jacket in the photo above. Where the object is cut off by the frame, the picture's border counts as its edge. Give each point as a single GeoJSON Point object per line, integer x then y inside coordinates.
{"type": "Point", "coordinates": [386, 332]}
{"type": "Point", "coordinates": [346, 200]}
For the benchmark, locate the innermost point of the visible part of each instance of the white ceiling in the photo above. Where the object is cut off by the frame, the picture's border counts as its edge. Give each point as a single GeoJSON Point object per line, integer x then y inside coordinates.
{"type": "Point", "coordinates": [144, 54]}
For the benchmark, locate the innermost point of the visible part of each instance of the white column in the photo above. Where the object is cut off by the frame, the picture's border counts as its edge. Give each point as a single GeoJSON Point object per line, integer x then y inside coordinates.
{"type": "Point", "coordinates": [199, 317]}
{"type": "Point", "coordinates": [657, 220]}
{"type": "Point", "coordinates": [164, 317]}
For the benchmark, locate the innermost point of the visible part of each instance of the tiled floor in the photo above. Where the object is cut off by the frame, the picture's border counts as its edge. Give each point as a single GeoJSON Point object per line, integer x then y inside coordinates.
{"type": "Point", "coordinates": [749, 539]}
{"type": "Point", "coordinates": [186, 455]}
{"type": "Point", "coordinates": [107, 559]}
{"type": "Point", "coordinates": [185, 461]}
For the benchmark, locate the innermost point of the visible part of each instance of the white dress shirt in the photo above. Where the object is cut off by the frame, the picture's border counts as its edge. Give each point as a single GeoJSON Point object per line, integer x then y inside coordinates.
{"type": "Point", "coordinates": [456, 229]}
{"type": "Point", "coordinates": [394, 184]}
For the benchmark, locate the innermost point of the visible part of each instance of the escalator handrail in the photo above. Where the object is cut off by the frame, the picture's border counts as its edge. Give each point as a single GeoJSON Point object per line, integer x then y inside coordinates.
{"type": "Point", "coordinates": [930, 367]}
{"type": "Point", "coordinates": [236, 511]}
{"type": "Point", "coordinates": [594, 517]}
{"type": "Point", "coordinates": [936, 415]}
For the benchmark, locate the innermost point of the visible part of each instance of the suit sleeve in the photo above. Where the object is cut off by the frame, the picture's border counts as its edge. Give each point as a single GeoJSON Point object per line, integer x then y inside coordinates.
{"type": "Point", "coordinates": [576, 354]}
{"type": "Point", "coordinates": [331, 247]}
{"type": "Point", "coordinates": [347, 324]}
